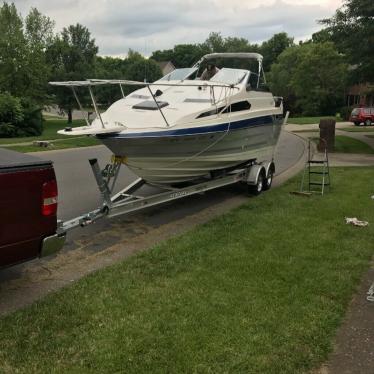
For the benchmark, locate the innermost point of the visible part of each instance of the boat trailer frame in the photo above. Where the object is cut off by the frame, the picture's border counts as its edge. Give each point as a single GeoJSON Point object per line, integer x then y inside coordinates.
{"type": "Point", "coordinates": [128, 201]}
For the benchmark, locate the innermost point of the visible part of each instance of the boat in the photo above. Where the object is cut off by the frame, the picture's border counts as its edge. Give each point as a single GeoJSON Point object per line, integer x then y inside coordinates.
{"type": "Point", "coordinates": [181, 128]}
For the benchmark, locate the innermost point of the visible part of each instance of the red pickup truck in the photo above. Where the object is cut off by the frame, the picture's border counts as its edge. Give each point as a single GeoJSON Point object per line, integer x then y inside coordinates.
{"type": "Point", "coordinates": [28, 208]}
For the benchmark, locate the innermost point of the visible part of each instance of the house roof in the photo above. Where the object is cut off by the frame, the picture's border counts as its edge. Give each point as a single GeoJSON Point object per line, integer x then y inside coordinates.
{"type": "Point", "coordinates": [163, 64]}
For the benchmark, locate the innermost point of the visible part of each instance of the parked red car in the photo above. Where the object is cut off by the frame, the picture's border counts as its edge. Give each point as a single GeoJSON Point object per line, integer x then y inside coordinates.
{"type": "Point", "coordinates": [362, 115]}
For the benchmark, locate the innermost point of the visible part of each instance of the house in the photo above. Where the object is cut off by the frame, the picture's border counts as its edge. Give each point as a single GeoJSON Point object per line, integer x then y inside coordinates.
{"type": "Point", "coordinates": [166, 67]}
{"type": "Point", "coordinates": [360, 95]}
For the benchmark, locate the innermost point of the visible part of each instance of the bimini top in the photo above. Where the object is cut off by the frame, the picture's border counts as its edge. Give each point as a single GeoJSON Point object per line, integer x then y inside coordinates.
{"type": "Point", "coordinates": [255, 56]}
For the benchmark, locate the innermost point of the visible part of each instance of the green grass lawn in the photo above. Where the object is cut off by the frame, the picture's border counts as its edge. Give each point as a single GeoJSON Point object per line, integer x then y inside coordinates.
{"type": "Point", "coordinates": [51, 126]}
{"type": "Point", "coordinates": [308, 120]}
{"type": "Point", "coordinates": [311, 130]}
{"type": "Point", "coordinates": [67, 142]}
{"type": "Point", "coordinates": [358, 129]}
{"type": "Point", "coordinates": [261, 289]}
{"type": "Point", "coordinates": [345, 144]}
{"type": "Point", "coordinates": [51, 116]}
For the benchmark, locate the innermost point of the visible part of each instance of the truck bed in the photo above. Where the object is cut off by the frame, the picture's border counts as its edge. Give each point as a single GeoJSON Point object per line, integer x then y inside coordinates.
{"type": "Point", "coordinates": [15, 160]}
{"type": "Point", "coordinates": [22, 223]}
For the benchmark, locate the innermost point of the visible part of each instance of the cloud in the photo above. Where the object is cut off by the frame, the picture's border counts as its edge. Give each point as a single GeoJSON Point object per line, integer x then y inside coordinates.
{"type": "Point", "coordinates": [146, 25]}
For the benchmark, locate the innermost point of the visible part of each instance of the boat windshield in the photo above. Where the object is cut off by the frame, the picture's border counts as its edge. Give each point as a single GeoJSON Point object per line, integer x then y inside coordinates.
{"type": "Point", "coordinates": [229, 76]}
{"type": "Point", "coordinates": [179, 74]}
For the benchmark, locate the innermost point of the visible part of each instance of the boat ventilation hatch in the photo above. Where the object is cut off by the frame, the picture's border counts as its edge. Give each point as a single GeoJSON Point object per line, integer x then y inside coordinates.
{"type": "Point", "coordinates": [150, 105]}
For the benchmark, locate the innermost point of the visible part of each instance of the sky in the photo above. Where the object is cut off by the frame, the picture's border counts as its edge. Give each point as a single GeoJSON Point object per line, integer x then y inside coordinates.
{"type": "Point", "coordinates": [149, 25]}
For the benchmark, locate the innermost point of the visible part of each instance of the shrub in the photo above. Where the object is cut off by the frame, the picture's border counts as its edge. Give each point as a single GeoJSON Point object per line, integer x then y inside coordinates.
{"type": "Point", "coordinates": [32, 123]}
{"type": "Point", "coordinates": [11, 115]}
{"type": "Point", "coordinates": [19, 117]}
{"type": "Point", "coordinates": [345, 112]}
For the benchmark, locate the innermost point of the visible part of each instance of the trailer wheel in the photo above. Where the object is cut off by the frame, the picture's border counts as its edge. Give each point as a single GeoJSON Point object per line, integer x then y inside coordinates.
{"type": "Point", "coordinates": [268, 180]}
{"type": "Point", "coordinates": [258, 187]}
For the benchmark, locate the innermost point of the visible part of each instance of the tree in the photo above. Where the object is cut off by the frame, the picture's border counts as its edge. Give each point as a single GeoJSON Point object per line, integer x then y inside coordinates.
{"type": "Point", "coordinates": [185, 55]}
{"type": "Point", "coordinates": [234, 44]}
{"type": "Point", "coordinates": [134, 67]}
{"type": "Point", "coordinates": [182, 55]}
{"type": "Point", "coordinates": [19, 117]}
{"type": "Point", "coordinates": [311, 78]}
{"type": "Point", "coordinates": [352, 30]}
{"type": "Point", "coordinates": [164, 55]}
{"type": "Point", "coordinates": [321, 36]}
{"type": "Point", "coordinates": [72, 57]}
{"type": "Point", "coordinates": [109, 68]}
{"type": "Point", "coordinates": [281, 75]}
{"type": "Point", "coordinates": [13, 51]}
{"type": "Point", "coordinates": [215, 43]}
{"type": "Point", "coordinates": [141, 69]}
{"type": "Point", "coordinates": [273, 47]}
{"type": "Point", "coordinates": [23, 69]}
{"type": "Point", "coordinates": [38, 30]}
{"type": "Point", "coordinates": [39, 36]}
{"type": "Point", "coordinates": [11, 115]}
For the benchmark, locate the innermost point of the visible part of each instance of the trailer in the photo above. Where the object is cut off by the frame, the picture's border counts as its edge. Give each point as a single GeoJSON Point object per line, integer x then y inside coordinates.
{"type": "Point", "coordinates": [257, 176]}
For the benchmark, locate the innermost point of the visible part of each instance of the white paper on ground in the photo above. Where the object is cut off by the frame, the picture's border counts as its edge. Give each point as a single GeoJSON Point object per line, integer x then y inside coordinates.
{"type": "Point", "coordinates": [354, 221]}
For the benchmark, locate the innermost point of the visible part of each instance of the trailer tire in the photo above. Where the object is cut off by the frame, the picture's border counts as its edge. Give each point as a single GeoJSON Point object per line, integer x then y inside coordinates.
{"type": "Point", "coordinates": [257, 188]}
{"type": "Point", "coordinates": [268, 180]}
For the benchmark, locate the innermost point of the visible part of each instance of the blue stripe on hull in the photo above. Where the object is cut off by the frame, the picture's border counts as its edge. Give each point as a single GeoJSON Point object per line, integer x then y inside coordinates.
{"type": "Point", "coordinates": [252, 122]}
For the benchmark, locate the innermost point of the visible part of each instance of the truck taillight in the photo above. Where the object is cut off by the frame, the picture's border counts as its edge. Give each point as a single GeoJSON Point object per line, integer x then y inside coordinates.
{"type": "Point", "coordinates": [49, 198]}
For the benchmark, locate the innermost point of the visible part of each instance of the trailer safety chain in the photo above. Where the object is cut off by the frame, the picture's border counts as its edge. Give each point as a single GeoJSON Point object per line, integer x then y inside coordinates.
{"type": "Point", "coordinates": [110, 173]}
{"type": "Point", "coordinates": [370, 293]}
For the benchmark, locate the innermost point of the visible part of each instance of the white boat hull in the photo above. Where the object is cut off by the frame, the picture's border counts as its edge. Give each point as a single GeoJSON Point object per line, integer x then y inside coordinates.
{"type": "Point", "coordinates": [170, 159]}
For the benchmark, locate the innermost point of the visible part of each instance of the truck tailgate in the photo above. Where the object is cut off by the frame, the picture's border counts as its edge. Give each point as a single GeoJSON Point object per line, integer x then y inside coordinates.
{"type": "Point", "coordinates": [22, 224]}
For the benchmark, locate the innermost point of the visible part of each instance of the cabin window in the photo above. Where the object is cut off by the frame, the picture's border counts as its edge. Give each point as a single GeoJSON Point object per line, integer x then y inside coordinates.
{"type": "Point", "coordinates": [210, 112]}
{"type": "Point", "coordinates": [237, 107]}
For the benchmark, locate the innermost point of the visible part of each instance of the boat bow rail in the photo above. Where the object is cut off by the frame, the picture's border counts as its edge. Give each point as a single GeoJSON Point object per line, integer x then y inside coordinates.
{"type": "Point", "coordinates": [89, 83]}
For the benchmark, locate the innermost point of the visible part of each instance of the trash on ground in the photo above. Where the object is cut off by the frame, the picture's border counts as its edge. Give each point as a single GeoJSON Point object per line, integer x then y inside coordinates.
{"type": "Point", "coordinates": [301, 193]}
{"type": "Point", "coordinates": [370, 293]}
{"type": "Point", "coordinates": [354, 221]}
{"type": "Point", "coordinates": [372, 197]}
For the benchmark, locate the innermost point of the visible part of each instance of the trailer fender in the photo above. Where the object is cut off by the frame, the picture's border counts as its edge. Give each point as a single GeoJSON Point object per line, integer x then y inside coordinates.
{"type": "Point", "coordinates": [253, 174]}
{"type": "Point", "coordinates": [268, 165]}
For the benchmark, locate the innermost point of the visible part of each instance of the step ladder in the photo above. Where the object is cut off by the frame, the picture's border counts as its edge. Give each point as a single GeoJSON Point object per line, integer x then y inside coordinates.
{"type": "Point", "coordinates": [317, 172]}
